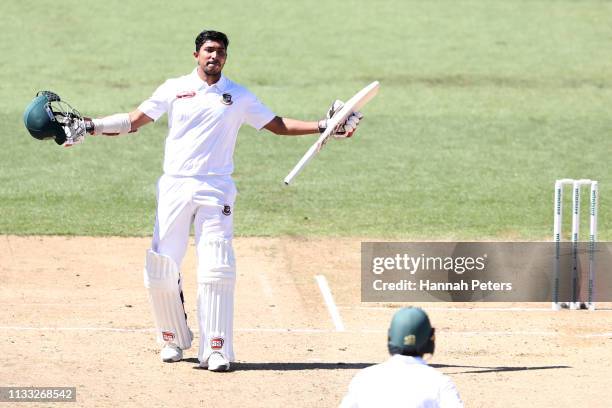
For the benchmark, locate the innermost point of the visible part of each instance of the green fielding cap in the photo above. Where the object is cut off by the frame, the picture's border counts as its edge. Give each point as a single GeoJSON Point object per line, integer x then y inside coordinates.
{"type": "Point", "coordinates": [410, 331]}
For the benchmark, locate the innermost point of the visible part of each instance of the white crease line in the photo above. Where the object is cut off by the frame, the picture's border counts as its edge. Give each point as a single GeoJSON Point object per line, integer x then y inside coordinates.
{"type": "Point", "coordinates": [62, 304]}
{"type": "Point", "coordinates": [266, 287]}
{"type": "Point", "coordinates": [151, 330]}
{"type": "Point", "coordinates": [474, 309]}
{"type": "Point", "coordinates": [484, 333]}
{"type": "Point", "coordinates": [506, 333]}
{"type": "Point", "coordinates": [268, 292]}
{"type": "Point", "coordinates": [592, 335]}
{"type": "Point", "coordinates": [100, 329]}
{"type": "Point", "coordinates": [329, 301]}
{"type": "Point", "coordinates": [263, 330]}
{"type": "Point", "coordinates": [320, 331]}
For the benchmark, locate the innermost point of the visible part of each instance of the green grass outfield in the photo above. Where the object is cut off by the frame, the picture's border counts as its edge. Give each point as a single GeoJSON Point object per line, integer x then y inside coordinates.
{"type": "Point", "coordinates": [483, 104]}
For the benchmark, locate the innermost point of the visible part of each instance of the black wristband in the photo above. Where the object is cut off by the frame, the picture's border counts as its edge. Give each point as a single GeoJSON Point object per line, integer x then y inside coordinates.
{"type": "Point", "coordinates": [89, 126]}
{"type": "Point", "coordinates": [322, 125]}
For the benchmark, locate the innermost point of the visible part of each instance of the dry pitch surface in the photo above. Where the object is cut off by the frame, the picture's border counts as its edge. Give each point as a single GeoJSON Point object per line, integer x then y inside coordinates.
{"type": "Point", "coordinates": [74, 313]}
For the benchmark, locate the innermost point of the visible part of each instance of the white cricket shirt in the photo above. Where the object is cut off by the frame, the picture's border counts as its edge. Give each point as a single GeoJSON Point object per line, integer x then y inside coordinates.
{"type": "Point", "coordinates": [203, 122]}
{"type": "Point", "coordinates": [401, 381]}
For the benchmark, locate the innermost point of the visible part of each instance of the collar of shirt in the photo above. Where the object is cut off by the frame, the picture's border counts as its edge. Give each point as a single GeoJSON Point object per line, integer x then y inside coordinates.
{"type": "Point", "coordinates": [398, 358]}
{"type": "Point", "coordinates": [199, 84]}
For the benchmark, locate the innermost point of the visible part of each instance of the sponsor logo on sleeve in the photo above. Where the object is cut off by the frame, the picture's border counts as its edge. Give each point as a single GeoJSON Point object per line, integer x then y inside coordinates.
{"type": "Point", "coordinates": [185, 94]}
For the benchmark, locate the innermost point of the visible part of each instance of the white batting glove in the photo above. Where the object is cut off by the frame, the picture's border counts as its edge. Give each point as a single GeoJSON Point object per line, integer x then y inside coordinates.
{"type": "Point", "coordinates": [349, 126]}
{"type": "Point", "coordinates": [74, 128]}
{"type": "Point", "coordinates": [335, 107]}
{"type": "Point", "coordinates": [345, 129]}
{"type": "Point", "coordinates": [75, 133]}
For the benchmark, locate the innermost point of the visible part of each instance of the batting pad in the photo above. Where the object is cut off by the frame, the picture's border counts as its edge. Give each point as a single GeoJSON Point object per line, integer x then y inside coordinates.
{"type": "Point", "coordinates": [161, 278]}
{"type": "Point", "coordinates": [216, 281]}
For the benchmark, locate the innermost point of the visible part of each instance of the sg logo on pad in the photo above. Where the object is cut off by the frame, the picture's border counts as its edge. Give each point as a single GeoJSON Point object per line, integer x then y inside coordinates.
{"type": "Point", "coordinates": [216, 343]}
{"type": "Point", "coordinates": [168, 336]}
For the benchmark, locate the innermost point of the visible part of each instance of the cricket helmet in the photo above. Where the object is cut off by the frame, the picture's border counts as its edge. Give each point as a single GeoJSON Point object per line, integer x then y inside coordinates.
{"type": "Point", "coordinates": [411, 333]}
{"type": "Point", "coordinates": [47, 115]}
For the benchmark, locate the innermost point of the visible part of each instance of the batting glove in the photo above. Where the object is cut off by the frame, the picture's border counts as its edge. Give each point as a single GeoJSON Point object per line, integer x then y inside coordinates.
{"type": "Point", "coordinates": [75, 131]}
{"type": "Point", "coordinates": [345, 129]}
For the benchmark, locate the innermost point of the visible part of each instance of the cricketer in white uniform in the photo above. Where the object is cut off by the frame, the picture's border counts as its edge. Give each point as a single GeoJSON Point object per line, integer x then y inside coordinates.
{"type": "Point", "coordinates": [205, 111]}
{"type": "Point", "coordinates": [405, 380]}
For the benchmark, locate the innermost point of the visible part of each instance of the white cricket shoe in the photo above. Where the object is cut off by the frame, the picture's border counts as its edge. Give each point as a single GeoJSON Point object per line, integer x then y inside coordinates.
{"type": "Point", "coordinates": [216, 362]}
{"type": "Point", "coordinates": [171, 353]}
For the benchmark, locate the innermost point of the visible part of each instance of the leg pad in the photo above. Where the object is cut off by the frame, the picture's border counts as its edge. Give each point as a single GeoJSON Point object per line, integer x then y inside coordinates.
{"type": "Point", "coordinates": [216, 281]}
{"type": "Point", "coordinates": [162, 280]}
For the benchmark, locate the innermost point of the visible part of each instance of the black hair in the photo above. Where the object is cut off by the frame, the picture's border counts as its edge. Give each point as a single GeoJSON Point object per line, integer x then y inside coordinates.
{"type": "Point", "coordinates": [207, 35]}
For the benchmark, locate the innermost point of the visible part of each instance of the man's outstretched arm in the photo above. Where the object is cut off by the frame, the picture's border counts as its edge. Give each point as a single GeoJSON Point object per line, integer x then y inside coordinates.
{"type": "Point", "coordinates": [117, 124]}
{"type": "Point", "coordinates": [294, 127]}
{"type": "Point", "coordinates": [291, 127]}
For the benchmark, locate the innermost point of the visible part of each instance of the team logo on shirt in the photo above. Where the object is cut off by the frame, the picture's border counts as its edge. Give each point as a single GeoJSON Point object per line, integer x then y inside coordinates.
{"type": "Point", "coordinates": [226, 99]}
{"type": "Point", "coordinates": [227, 210]}
{"type": "Point", "coordinates": [216, 343]}
{"type": "Point", "coordinates": [186, 94]}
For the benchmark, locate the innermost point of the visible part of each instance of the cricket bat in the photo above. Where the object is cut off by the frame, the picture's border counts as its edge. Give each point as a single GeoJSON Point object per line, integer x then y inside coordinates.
{"type": "Point", "coordinates": [352, 105]}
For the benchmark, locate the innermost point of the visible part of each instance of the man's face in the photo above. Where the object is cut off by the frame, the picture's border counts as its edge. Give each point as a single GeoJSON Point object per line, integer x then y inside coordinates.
{"type": "Point", "coordinates": [211, 57]}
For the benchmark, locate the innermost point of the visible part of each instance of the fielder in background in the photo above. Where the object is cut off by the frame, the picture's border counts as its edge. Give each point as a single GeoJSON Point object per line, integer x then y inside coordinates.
{"type": "Point", "coordinates": [405, 380]}
{"type": "Point", "coordinates": [205, 111]}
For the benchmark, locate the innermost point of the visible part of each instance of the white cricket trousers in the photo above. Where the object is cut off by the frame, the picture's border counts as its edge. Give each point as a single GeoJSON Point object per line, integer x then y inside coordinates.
{"type": "Point", "coordinates": [207, 202]}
